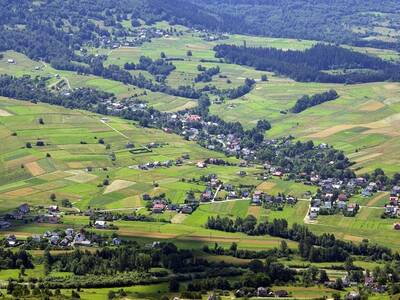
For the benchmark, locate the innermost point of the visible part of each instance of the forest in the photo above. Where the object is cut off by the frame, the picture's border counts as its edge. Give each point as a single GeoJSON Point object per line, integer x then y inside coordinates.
{"type": "Point", "coordinates": [312, 65]}
{"type": "Point", "coordinates": [44, 31]}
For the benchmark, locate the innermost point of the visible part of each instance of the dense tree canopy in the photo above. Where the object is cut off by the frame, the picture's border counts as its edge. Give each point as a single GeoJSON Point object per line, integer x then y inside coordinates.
{"type": "Point", "coordinates": [315, 64]}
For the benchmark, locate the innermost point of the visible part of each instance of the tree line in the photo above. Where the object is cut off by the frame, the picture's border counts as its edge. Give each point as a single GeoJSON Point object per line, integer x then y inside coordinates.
{"type": "Point", "coordinates": [26, 88]}
{"type": "Point", "coordinates": [306, 101]}
{"type": "Point", "coordinates": [311, 65]}
{"type": "Point", "coordinates": [311, 247]}
{"type": "Point", "coordinates": [206, 74]}
{"type": "Point", "coordinates": [15, 259]}
{"type": "Point", "coordinates": [158, 67]}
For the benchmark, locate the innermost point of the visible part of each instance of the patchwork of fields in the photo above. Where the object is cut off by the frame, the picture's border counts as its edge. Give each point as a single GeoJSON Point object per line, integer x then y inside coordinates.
{"type": "Point", "coordinates": [364, 122]}
{"type": "Point", "coordinates": [30, 175]}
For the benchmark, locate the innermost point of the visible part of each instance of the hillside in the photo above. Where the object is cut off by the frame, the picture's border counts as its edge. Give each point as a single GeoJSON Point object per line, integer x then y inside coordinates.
{"type": "Point", "coordinates": [206, 149]}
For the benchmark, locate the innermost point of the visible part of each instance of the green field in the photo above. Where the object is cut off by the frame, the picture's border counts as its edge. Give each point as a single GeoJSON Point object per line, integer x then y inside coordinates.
{"type": "Point", "coordinates": [29, 176]}
{"type": "Point", "coordinates": [364, 122]}
{"type": "Point", "coordinates": [369, 109]}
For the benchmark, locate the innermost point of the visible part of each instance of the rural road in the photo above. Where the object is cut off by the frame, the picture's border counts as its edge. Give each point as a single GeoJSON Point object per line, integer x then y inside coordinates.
{"type": "Point", "coordinates": [116, 130]}
{"type": "Point", "coordinates": [216, 193]}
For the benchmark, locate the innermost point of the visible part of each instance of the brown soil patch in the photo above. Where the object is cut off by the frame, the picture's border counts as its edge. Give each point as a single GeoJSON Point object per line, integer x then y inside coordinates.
{"type": "Point", "coordinates": [197, 47]}
{"type": "Point", "coordinates": [55, 175]}
{"type": "Point", "coordinates": [254, 210]}
{"type": "Point", "coordinates": [21, 161]}
{"type": "Point", "coordinates": [4, 113]}
{"type": "Point", "coordinates": [178, 218]}
{"type": "Point", "coordinates": [372, 106]}
{"type": "Point", "coordinates": [331, 131]}
{"type": "Point", "coordinates": [376, 199]}
{"type": "Point", "coordinates": [388, 126]}
{"type": "Point", "coordinates": [391, 86]}
{"type": "Point", "coordinates": [266, 186]}
{"type": "Point", "coordinates": [34, 168]}
{"type": "Point", "coordinates": [21, 192]}
{"type": "Point", "coordinates": [353, 238]}
{"type": "Point", "coordinates": [389, 131]}
{"type": "Point", "coordinates": [82, 178]}
{"type": "Point", "coordinates": [146, 234]}
{"type": "Point", "coordinates": [75, 165]}
{"type": "Point", "coordinates": [367, 157]}
{"type": "Point", "coordinates": [118, 185]}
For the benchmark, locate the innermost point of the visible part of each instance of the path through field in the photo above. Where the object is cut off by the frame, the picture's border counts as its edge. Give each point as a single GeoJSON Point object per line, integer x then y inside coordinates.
{"type": "Point", "coordinates": [116, 130]}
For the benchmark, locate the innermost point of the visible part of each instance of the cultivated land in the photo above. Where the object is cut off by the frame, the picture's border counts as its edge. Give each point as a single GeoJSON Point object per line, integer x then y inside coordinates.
{"type": "Point", "coordinates": [364, 122]}
{"type": "Point", "coordinates": [28, 176]}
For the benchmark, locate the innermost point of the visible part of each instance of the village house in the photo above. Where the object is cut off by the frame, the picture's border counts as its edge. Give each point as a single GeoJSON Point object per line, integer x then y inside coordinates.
{"type": "Point", "coordinates": [187, 209]}
{"type": "Point", "coordinates": [264, 292]}
{"type": "Point", "coordinates": [341, 204]}
{"type": "Point", "coordinates": [291, 200]}
{"type": "Point", "coordinates": [11, 240]}
{"type": "Point", "coordinates": [80, 240]}
{"type": "Point", "coordinates": [326, 205]}
{"type": "Point", "coordinates": [49, 218]}
{"type": "Point", "coordinates": [158, 208]}
{"type": "Point", "coordinates": [100, 224]}
{"type": "Point", "coordinates": [257, 198]}
{"type": "Point", "coordinates": [391, 210]}
{"type": "Point", "coordinates": [207, 195]}
{"type": "Point", "coordinates": [366, 192]}
{"type": "Point", "coordinates": [172, 207]}
{"type": "Point", "coordinates": [146, 197]}
{"type": "Point", "coordinates": [244, 193]}
{"type": "Point", "coordinates": [54, 239]}
{"type": "Point", "coordinates": [232, 195]}
{"type": "Point", "coordinates": [351, 208]}
{"type": "Point", "coordinates": [313, 215]}
{"type": "Point", "coordinates": [193, 118]}
{"type": "Point", "coordinates": [242, 173]}
{"type": "Point", "coordinates": [24, 208]}
{"type": "Point", "coordinates": [201, 165]}
{"type": "Point", "coordinates": [19, 213]}
{"type": "Point", "coordinates": [53, 209]}
{"type": "Point", "coordinates": [116, 241]}
{"type": "Point", "coordinates": [277, 173]}
{"type": "Point", "coordinates": [4, 225]}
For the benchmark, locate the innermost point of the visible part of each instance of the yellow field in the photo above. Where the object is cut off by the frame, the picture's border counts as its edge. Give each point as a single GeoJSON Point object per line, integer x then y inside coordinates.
{"type": "Point", "coordinates": [118, 185]}
{"type": "Point", "coordinates": [34, 168]}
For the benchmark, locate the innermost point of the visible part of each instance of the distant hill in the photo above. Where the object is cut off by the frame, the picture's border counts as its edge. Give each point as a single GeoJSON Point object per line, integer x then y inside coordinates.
{"type": "Point", "coordinates": [52, 30]}
{"type": "Point", "coordinates": [341, 21]}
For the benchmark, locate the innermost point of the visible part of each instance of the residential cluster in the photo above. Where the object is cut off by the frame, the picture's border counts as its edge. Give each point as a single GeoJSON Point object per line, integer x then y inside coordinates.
{"type": "Point", "coordinates": [333, 197]}
{"type": "Point", "coordinates": [59, 239]}
{"type": "Point", "coordinates": [132, 38]}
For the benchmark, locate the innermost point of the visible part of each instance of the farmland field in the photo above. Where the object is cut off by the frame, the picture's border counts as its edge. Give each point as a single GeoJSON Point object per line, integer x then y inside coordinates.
{"type": "Point", "coordinates": [363, 122]}
{"type": "Point", "coordinates": [207, 149]}
{"type": "Point", "coordinates": [63, 174]}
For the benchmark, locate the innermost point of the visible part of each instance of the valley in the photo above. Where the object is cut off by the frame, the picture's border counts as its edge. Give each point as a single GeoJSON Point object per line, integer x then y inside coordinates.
{"type": "Point", "coordinates": [137, 163]}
